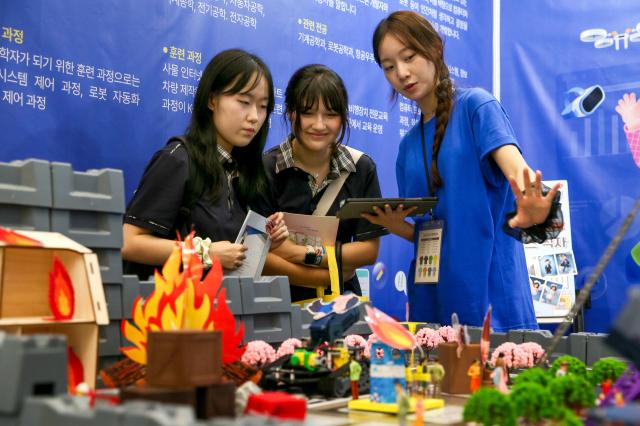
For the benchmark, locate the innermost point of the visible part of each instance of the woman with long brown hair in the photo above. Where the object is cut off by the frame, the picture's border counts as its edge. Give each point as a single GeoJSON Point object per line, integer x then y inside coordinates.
{"type": "Point", "coordinates": [464, 151]}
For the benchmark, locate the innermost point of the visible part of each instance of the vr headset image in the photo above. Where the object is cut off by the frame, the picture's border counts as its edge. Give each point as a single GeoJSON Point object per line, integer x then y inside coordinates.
{"type": "Point", "coordinates": [584, 102]}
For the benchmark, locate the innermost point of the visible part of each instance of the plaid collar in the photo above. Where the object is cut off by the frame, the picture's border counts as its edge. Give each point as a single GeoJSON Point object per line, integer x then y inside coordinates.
{"type": "Point", "coordinates": [227, 161]}
{"type": "Point", "coordinates": [224, 156]}
{"type": "Point", "coordinates": [341, 160]}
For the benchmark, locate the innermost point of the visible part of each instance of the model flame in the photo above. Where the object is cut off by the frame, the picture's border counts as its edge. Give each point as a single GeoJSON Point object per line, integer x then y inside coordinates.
{"type": "Point", "coordinates": [61, 296]}
{"type": "Point", "coordinates": [388, 330]}
{"type": "Point", "coordinates": [14, 238]}
{"type": "Point", "coordinates": [182, 301]}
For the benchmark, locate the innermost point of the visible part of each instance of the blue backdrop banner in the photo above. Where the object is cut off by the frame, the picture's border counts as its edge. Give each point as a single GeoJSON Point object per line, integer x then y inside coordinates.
{"type": "Point", "coordinates": [100, 85]}
{"type": "Point", "coordinates": [561, 81]}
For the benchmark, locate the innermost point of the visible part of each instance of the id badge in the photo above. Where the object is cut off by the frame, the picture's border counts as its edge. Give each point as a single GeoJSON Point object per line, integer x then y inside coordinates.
{"type": "Point", "coordinates": [428, 246]}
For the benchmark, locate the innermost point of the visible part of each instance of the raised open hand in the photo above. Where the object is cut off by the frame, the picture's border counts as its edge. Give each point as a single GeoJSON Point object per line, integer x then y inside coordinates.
{"type": "Point", "coordinates": [532, 207]}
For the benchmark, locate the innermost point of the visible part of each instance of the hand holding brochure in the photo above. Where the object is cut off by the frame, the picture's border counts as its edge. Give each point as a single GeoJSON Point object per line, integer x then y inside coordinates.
{"type": "Point", "coordinates": [253, 234]}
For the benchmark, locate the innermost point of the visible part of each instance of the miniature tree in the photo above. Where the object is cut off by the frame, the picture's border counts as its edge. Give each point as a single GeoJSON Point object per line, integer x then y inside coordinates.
{"type": "Point", "coordinates": [568, 418]}
{"type": "Point", "coordinates": [533, 352]}
{"type": "Point", "coordinates": [533, 375]}
{"type": "Point", "coordinates": [573, 391]}
{"type": "Point", "coordinates": [448, 334]}
{"type": "Point", "coordinates": [429, 339]}
{"type": "Point", "coordinates": [576, 366]}
{"type": "Point", "coordinates": [606, 369]}
{"type": "Point", "coordinates": [514, 356]}
{"type": "Point", "coordinates": [355, 340]}
{"type": "Point", "coordinates": [370, 341]}
{"type": "Point", "coordinates": [533, 402]}
{"type": "Point", "coordinates": [288, 347]}
{"type": "Point", "coordinates": [258, 353]}
{"type": "Point", "coordinates": [489, 407]}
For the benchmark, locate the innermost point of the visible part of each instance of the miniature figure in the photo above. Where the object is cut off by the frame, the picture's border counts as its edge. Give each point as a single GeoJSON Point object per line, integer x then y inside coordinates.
{"type": "Point", "coordinates": [618, 398]}
{"type": "Point", "coordinates": [436, 373]}
{"type": "Point", "coordinates": [499, 375]}
{"type": "Point", "coordinates": [419, 416]}
{"type": "Point", "coordinates": [354, 375]}
{"type": "Point", "coordinates": [563, 369]}
{"type": "Point", "coordinates": [605, 386]}
{"type": "Point", "coordinates": [402, 399]}
{"type": "Point", "coordinates": [475, 375]}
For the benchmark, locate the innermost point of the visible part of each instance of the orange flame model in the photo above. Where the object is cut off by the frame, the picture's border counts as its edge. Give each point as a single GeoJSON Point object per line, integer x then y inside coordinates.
{"type": "Point", "coordinates": [182, 301]}
{"type": "Point", "coordinates": [61, 298]}
{"type": "Point", "coordinates": [388, 330]}
{"type": "Point", "coordinates": [75, 371]}
{"type": "Point", "coordinates": [15, 239]}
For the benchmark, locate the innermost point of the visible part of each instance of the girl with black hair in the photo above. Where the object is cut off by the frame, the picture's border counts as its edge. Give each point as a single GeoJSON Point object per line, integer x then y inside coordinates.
{"type": "Point", "coordinates": [205, 179]}
{"type": "Point", "coordinates": [464, 151]}
{"type": "Point", "coordinates": [302, 169]}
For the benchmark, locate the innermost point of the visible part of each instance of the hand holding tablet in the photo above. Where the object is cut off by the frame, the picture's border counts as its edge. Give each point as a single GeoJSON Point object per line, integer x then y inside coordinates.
{"type": "Point", "coordinates": [353, 208]}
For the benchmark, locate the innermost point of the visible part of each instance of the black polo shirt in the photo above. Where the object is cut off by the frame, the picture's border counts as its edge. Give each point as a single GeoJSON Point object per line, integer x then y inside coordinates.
{"type": "Point", "coordinates": [289, 190]}
{"type": "Point", "coordinates": [159, 203]}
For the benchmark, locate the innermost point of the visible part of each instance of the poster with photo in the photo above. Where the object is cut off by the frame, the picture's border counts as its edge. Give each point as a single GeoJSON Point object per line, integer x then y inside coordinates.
{"type": "Point", "coordinates": [552, 268]}
{"type": "Point", "coordinates": [551, 293]}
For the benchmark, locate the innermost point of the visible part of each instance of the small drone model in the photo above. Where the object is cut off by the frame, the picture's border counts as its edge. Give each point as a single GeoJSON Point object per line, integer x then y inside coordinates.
{"type": "Point", "coordinates": [602, 38]}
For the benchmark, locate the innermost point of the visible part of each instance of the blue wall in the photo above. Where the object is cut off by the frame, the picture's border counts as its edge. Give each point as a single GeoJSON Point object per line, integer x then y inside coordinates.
{"type": "Point", "coordinates": [542, 59]}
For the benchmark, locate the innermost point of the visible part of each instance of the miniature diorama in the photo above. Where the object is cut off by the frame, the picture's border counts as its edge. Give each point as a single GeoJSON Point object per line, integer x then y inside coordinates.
{"type": "Point", "coordinates": [394, 370]}
{"type": "Point", "coordinates": [324, 366]}
{"type": "Point", "coordinates": [185, 346]}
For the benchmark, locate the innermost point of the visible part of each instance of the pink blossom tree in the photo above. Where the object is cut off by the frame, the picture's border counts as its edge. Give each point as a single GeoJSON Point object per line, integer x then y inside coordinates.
{"type": "Point", "coordinates": [370, 341]}
{"type": "Point", "coordinates": [448, 334]}
{"type": "Point", "coordinates": [533, 352]}
{"type": "Point", "coordinates": [258, 353]}
{"type": "Point", "coordinates": [428, 339]}
{"type": "Point", "coordinates": [514, 356]}
{"type": "Point", "coordinates": [288, 347]}
{"type": "Point", "coordinates": [355, 340]}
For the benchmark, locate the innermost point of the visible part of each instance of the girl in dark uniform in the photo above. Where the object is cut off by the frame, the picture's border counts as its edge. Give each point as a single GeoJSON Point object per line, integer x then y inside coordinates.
{"type": "Point", "coordinates": [204, 179]}
{"type": "Point", "coordinates": [301, 168]}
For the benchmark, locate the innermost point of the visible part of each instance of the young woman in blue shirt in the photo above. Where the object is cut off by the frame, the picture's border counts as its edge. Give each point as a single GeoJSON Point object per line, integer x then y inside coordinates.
{"type": "Point", "coordinates": [464, 151]}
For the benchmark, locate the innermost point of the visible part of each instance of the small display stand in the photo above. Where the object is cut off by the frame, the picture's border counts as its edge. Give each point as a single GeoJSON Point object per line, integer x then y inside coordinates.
{"type": "Point", "coordinates": [365, 404]}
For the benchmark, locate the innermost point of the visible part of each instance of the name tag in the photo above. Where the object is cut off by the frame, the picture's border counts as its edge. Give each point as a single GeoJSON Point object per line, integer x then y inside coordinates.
{"type": "Point", "coordinates": [428, 251]}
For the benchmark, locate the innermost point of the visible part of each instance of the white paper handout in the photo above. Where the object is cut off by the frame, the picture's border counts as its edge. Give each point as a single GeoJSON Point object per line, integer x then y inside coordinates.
{"type": "Point", "coordinates": [253, 234]}
{"type": "Point", "coordinates": [311, 230]}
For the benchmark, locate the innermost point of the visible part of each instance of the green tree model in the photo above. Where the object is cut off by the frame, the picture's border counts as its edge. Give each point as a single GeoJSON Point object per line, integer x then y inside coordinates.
{"type": "Point", "coordinates": [573, 391]}
{"type": "Point", "coordinates": [606, 369]}
{"type": "Point", "coordinates": [489, 407]}
{"type": "Point", "coordinates": [568, 418]}
{"type": "Point", "coordinates": [533, 402]}
{"type": "Point", "coordinates": [533, 375]}
{"type": "Point", "coordinates": [576, 366]}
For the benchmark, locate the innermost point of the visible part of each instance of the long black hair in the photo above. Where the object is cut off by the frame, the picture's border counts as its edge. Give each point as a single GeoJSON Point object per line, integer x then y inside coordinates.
{"type": "Point", "coordinates": [228, 73]}
{"type": "Point", "coordinates": [310, 84]}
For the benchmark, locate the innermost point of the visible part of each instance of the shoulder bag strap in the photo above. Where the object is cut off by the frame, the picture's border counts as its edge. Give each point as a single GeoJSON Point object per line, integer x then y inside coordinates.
{"type": "Point", "coordinates": [333, 189]}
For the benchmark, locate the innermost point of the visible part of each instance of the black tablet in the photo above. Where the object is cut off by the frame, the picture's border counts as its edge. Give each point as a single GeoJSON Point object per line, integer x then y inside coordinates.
{"type": "Point", "coordinates": [352, 208]}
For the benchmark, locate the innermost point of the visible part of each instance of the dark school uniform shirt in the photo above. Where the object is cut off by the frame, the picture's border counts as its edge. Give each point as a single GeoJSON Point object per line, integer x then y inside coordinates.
{"type": "Point", "coordinates": [159, 203]}
{"type": "Point", "coordinates": [291, 189]}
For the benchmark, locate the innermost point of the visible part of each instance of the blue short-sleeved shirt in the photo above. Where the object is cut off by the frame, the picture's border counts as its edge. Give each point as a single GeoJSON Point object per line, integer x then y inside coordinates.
{"type": "Point", "coordinates": [480, 264]}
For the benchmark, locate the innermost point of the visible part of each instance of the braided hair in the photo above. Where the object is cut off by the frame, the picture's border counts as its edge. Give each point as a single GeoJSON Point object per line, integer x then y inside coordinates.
{"type": "Point", "coordinates": [418, 34]}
